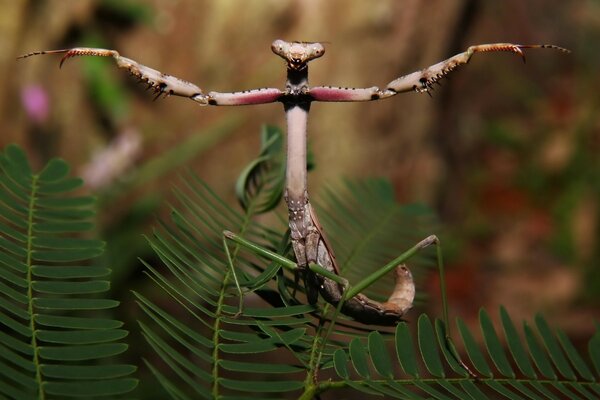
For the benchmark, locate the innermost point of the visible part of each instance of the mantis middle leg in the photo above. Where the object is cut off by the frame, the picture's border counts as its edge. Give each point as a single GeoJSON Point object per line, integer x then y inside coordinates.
{"type": "Point", "coordinates": [335, 289]}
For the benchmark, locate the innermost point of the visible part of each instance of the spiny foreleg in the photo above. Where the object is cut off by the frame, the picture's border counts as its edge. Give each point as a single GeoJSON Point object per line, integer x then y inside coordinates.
{"type": "Point", "coordinates": [160, 83]}
{"type": "Point", "coordinates": [167, 85]}
{"type": "Point", "coordinates": [421, 81]}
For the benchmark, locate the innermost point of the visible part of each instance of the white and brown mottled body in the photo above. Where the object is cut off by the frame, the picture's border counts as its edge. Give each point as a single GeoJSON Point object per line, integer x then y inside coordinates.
{"type": "Point", "coordinates": [308, 239]}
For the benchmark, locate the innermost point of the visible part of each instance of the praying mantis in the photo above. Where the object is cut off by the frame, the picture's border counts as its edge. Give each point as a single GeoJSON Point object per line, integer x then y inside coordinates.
{"type": "Point", "coordinates": [315, 259]}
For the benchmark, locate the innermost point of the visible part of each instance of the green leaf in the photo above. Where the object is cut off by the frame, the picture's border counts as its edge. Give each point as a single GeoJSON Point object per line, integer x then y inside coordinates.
{"type": "Point", "coordinates": [13, 294]}
{"type": "Point", "coordinates": [7, 261]}
{"type": "Point", "coordinates": [60, 272]}
{"type": "Point", "coordinates": [59, 187]}
{"type": "Point", "coordinates": [427, 344]}
{"type": "Point", "coordinates": [359, 358]}
{"type": "Point", "coordinates": [180, 364]}
{"type": "Point", "coordinates": [86, 372]}
{"type": "Point", "coordinates": [380, 355]}
{"type": "Point", "coordinates": [524, 389]}
{"type": "Point", "coordinates": [262, 386]}
{"type": "Point", "coordinates": [340, 362]}
{"type": "Point", "coordinates": [18, 327]}
{"type": "Point", "coordinates": [260, 186]}
{"type": "Point", "coordinates": [14, 309]}
{"type": "Point", "coordinates": [259, 368]}
{"type": "Point", "coordinates": [171, 325]}
{"type": "Point", "coordinates": [565, 391]}
{"type": "Point", "coordinates": [65, 256]}
{"type": "Point", "coordinates": [80, 353]}
{"type": "Point", "coordinates": [503, 390]}
{"type": "Point", "coordinates": [574, 356]}
{"type": "Point", "coordinates": [12, 233]}
{"type": "Point", "coordinates": [62, 227]}
{"type": "Point", "coordinates": [92, 388]}
{"type": "Point", "coordinates": [554, 349]}
{"type": "Point", "coordinates": [495, 349]}
{"type": "Point", "coordinates": [473, 391]}
{"type": "Point", "coordinates": [56, 287]}
{"type": "Point", "coordinates": [81, 337]}
{"type": "Point", "coordinates": [66, 203]}
{"type": "Point", "coordinates": [64, 215]}
{"type": "Point", "coordinates": [15, 344]}
{"type": "Point", "coordinates": [289, 311]}
{"type": "Point", "coordinates": [594, 350]}
{"type": "Point", "coordinates": [63, 243]}
{"type": "Point", "coordinates": [402, 389]}
{"type": "Point", "coordinates": [429, 389]}
{"type": "Point", "coordinates": [55, 170]}
{"type": "Point", "coordinates": [17, 359]}
{"type": "Point", "coordinates": [543, 390]}
{"type": "Point", "coordinates": [473, 351]}
{"type": "Point", "coordinates": [539, 357]}
{"type": "Point", "coordinates": [449, 349]}
{"type": "Point", "coordinates": [77, 322]}
{"type": "Point", "coordinates": [405, 349]}
{"type": "Point", "coordinates": [75, 304]}
{"type": "Point", "coordinates": [172, 389]}
{"type": "Point", "coordinates": [17, 159]}
{"type": "Point", "coordinates": [514, 344]}
{"type": "Point", "coordinates": [263, 345]}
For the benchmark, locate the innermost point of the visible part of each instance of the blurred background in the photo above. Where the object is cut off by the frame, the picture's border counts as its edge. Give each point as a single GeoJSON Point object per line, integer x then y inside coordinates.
{"type": "Point", "coordinates": [506, 153]}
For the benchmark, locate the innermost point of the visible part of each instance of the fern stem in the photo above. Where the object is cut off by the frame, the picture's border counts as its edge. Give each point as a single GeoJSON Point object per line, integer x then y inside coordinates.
{"type": "Point", "coordinates": [30, 310]}
{"type": "Point", "coordinates": [215, 339]}
{"type": "Point", "coordinates": [220, 303]}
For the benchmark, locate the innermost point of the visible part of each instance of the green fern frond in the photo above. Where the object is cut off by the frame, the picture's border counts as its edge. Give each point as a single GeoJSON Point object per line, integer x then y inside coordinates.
{"type": "Point", "coordinates": [419, 371]}
{"type": "Point", "coordinates": [367, 228]}
{"type": "Point", "coordinates": [55, 341]}
{"type": "Point", "coordinates": [198, 280]}
{"type": "Point", "coordinates": [277, 349]}
{"type": "Point", "coordinates": [262, 182]}
{"type": "Point", "coordinates": [230, 354]}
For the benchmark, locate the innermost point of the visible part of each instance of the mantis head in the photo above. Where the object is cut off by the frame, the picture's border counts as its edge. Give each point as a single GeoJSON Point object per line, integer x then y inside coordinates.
{"type": "Point", "coordinates": [297, 54]}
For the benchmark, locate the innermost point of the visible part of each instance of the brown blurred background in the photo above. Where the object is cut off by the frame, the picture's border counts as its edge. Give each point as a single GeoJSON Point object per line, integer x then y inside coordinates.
{"type": "Point", "coordinates": [506, 153]}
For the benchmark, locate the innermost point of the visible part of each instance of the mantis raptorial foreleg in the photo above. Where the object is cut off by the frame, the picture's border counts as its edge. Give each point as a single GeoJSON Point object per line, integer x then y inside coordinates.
{"type": "Point", "coordinates": [168, 85]}
{"type": "Point", "coordinates": [420, 81]}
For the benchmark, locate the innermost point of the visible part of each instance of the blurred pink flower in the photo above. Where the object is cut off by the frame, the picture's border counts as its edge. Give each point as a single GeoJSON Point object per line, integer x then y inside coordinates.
{"type": "Point", "coordinates": [113, 161]}
{"type": "Point", "coordinates": [35, 102]}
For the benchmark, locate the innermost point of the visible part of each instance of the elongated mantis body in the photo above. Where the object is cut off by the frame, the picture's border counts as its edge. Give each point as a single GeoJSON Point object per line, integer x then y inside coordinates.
{"type": "Point", "coordinates": [308, 240]}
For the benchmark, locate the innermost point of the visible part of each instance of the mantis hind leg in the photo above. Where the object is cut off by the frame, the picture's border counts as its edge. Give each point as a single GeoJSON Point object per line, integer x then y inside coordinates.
{"type": "Point", "coordinates": [257, 282]}
{"type": "Point", "coordinates": [235, 278]}
{"type": "Point", "coordinates": [353, 293]}
{"type": "Point", "coordinates": [449, 342]}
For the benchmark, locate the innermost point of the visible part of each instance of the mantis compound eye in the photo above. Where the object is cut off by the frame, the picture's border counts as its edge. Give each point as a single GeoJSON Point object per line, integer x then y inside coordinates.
{"type": "Point", "coordinates": [318, 50]}
{"type": "Point", "coordinates": [280, 47]}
